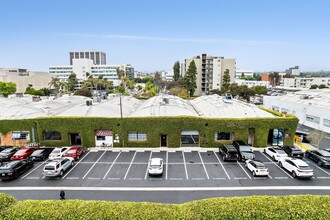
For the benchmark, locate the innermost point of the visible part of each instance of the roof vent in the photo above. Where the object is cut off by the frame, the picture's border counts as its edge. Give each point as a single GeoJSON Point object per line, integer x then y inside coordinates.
{"type": "Point", "coordinates": [166, 100]}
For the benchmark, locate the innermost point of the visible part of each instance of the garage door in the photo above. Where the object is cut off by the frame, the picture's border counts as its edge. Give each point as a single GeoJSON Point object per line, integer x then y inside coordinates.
{"type": "Point", "coordinates": [189, 139]}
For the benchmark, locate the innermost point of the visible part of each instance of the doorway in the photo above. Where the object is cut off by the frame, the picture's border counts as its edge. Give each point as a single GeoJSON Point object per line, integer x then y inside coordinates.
{"type": "Point", "coordinates": [251, 136]}
{"type": "Point", "coordinates": [75, 138]}
{"type": "Point", "coordinates": [163, 140]}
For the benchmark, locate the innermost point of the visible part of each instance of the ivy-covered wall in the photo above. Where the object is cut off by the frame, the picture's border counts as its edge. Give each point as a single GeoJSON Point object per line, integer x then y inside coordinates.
{"type": "Point", "coordinates": [154, 127]}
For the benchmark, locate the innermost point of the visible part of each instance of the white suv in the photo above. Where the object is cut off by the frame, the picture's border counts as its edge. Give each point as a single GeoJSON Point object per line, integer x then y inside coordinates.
{"type": "Point", "coordinates": [297, 167]}
{"type": "Point", "coordinates": [58, 152]}
{"type": "Point", "coordinates": [58, 167]}
{"type": "Point", "coordinates": [155, 166]}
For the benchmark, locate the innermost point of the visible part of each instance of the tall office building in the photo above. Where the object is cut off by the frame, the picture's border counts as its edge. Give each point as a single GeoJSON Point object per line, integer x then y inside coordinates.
{"type": "Point", "coordinates": [98, 57]}
{"type": "Point", "coordinates": [210, 71]}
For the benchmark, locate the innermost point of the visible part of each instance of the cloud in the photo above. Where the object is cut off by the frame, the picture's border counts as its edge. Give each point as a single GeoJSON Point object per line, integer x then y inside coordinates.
{"type": "Point", "coordinates": [167, 39]}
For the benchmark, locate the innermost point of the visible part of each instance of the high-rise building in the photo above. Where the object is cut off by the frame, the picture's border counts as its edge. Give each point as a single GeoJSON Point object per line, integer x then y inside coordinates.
{"type": "Point", "coordinates": [98, 57]}
{"type": "Point", "coordinates": [210, 71]}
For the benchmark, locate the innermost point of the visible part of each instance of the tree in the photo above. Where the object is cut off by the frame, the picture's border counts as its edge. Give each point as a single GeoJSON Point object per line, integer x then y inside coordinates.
{"type": "Point", "coordinates": [189, 80]}
{"type": "Point", "coordinates": [234, 89]}
{"type": "Point", "coordinates": [55, 83]}
{"type": "Point", "coordinates": [242, 76]}
{"type": "Point", "coordinates": [176, 71]}
{"type": "Point", "coordinates": [178, 91]}
{"type": "Point", "coordinates": [72, 82]}
{"type": "Point", "coordinates": [316, 137]}
{"type": "Point", "coordinates": [260, 90]}
{"type": "Point", "coordinates": [275, 78]}
{"type": "Point", "coordinates": [225, 82]}
{"type": "Point", "coordinates": [84, 91]}
{"type": "Point", "coordinates": [245, 92]}
{"type": "Point", "coordinates": [7, 88]}
{"type": "Point", "coordinates": [322, 86]}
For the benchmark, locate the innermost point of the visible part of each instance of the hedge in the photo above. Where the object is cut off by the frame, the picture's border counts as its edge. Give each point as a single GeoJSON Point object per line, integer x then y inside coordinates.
{"type": "Point", "coordinates": [253, 207]}
{"type": "Point", "coordinates": [154, 127]}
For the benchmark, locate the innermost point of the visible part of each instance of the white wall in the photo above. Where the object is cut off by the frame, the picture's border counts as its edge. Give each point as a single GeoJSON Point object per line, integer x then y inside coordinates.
{"type": "Point", "coordinates": [108, 141]}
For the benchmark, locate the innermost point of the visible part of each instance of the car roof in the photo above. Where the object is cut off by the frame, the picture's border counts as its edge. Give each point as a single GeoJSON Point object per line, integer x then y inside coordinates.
{"type": "Point", "coordinates": [241, 142]}
{"type": "Point", "coordinates": [324, 153]}
{"type": "Point", "coordinates": [230, 147]}
{"type": "Point", "coordinates": [258, 162]}
{"type": "Point", "coordinates": [156, 161]}
{"type": "Point", "coordinates": [11, 164]}
{"type": "Point", "coordinates": [298, 162]}
{"type": "Point", "coordinates": [75, 147]}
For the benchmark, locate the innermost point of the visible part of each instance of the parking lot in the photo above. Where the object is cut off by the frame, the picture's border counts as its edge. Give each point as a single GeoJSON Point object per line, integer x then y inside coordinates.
{"type": "Point", "coordinates": [181, 168]}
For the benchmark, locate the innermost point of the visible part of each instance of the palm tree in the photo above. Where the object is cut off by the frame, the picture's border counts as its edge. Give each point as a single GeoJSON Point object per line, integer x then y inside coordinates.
{"type": "Point", "coordinates": [54, 82]}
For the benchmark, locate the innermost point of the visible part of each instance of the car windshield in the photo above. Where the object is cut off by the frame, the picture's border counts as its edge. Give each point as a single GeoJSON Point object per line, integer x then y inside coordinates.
{"type": "Point", "coordinates": [7, 150]}
{"type": "Point", "coordinates": [49, 168]}
{"type": "Point", "coordinates": [71, 151]}
{"type": "Point", "coordinates": [56, 151]}
{"type": "Point", "coordinates": [20, 152]}
{"type": "Point", "coordinates": [245, 148]}
{"type": "Point", "coordinates": [280, 152]}
{"type": "Point", "coordinates": [304, 167]}
{"type": "Point", "coordinates": [37, 152]}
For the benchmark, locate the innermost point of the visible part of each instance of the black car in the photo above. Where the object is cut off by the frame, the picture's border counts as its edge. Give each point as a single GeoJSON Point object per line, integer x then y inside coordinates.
{"type": "Point", "coordinates": [228, 152]}
{"type": "Point", "coordinates": [41, 154]}
{"type": "Point", "coordinates": [4, 147]}
{"type": "Point", "coordinates": [244, 151]}
{"type": "Point", "coordinates": [321, 157]}
{"type": "Point", "coordinates": [293, 151]}
{"type": "Point", "coordinates": [13, 169]}
{"type": "Point", "coordinates": [7, 153]}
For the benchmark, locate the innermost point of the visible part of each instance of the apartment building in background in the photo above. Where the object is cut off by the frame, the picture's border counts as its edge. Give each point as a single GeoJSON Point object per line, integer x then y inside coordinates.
{"type": "Point", "coordinates": [305, 83]}
{"type": "Point", "coordinates": [98, 57]}
{"type": "Point", "coordinates": [90, 63]}
{"type": "Point", "coordinates": [210, 71]}
{"type": "Point", "coordinates": [240, 72]}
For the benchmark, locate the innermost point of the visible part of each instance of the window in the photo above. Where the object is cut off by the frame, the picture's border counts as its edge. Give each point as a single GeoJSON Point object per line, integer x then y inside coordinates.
{"type": "Point", "coordinates": [313, 119]}
{"type": "Point", "coordinates": [52, 135]}
{"type": "Point", "coordinates": [137, 136]}
{"type": "Point", "coordinates": [224, 136]}
{"type": "Point", "coordinates": [20, 135]}
{"type": "Point", "coordinates": [326, 122]}
{"type": "Point", "coordinates": [100, 138]}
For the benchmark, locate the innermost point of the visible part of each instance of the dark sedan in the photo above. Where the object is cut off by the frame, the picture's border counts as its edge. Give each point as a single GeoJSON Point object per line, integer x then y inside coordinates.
{"type": "Point", "coordinates": [13, 169]}
{"type": "Point", "coordinates": [7, 153]}
{"type": "Point", "coordinates": [244, 151]}
{"type": "Point", "coordinates": [293, 151]}
{"type": "Point", "coordinates": [41, 154]}
{"type": "Point", "coordinates": [321, 157]}
{"type": "Point", "coordinates": [4, 147]}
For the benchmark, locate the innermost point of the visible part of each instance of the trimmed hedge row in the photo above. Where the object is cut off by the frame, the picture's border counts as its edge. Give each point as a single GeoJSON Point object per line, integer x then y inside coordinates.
{"type": "Point", "coordinates": [154, 127]}
{"type": "Point", "coordinates": [253, 207]}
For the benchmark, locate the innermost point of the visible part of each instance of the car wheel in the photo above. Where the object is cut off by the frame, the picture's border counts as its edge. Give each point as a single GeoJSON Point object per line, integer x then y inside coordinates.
{"type": "Point", "coordinates": [61, 173]}
{"type": "Point", "coordinates": [274, 158]}
{"type": "Point", "coordinates": [223, 158]}
{"type": "Point", "coordinates": [72, 164]}
{"type": "Point", "coordinates": [254, 173]}
{"type": "Point", "coordinates": [319, 163]}
{"type": "Point", "coordinates": [78, 157]}
{"type": "Point", "coordinates": [294, 174]}
{"type": "Point", "coordinates": [280, 164]}
{"type": "Point", "coordinates": [16, 175]}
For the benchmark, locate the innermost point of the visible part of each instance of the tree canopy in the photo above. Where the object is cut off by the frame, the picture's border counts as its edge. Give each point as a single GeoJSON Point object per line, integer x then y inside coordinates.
{"type": "Point", "coordinates": [225, 82]}
{"type": "Point", "coordinates": [176, 71]}
{"type": "Point", "coordinates": [189, 80]}
{"type": "Point", "coordinates": [7, 88]}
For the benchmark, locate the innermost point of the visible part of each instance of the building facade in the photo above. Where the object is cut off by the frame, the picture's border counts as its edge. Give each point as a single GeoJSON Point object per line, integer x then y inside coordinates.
{"type": "Point", "coordinates": [210, 71]}
{"type": "Point", "coordinates": [252, 83]}
{"type": "Point", "coordinates": [243, 72]}
{"type": "Point", "coordinates": [305, 82]}
{"type": "Point", "coordinates": [98, 57]}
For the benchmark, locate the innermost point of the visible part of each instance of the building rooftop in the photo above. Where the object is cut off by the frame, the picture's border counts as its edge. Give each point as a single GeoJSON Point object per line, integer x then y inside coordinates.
{"type": "Point", "coordinates": [212, 106]}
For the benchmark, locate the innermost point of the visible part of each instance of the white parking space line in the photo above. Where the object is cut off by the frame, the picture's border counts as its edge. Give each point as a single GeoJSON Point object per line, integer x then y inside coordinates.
{"type": "Point", "coordinates": [111, 166]}
{"type": "Point", "coordinates": [145, 176]}
{"type": "Point", "coordinates": [176, 178]}
{"type": "Point", "coordinates": [140, 151]}
{"type": "Point", "coordinates": [323, 177]}
{"type": "Point", "coordinates": [135, 178]}
{"type": "Point", "coordinates": [34, 169]}
{"type": "Point", "coordinates": [240, 178]}
{"type": "Point", "coordinates": [198, 178]}
{"type": "Point", "coordinates": [94, 164]}
{"type": "Point", "coordinates": [221, 164]}
{"type": "Point", "coordinates": [219, 178]}
{"type": "Point", "coordinates": [259, 178]}
{"type": "Point", "coordinates": [244, 169]}
{"type": "Point", "coordinates": [277, 165]}
{"type": "Point", "coordinates": [130, 165]}
{"type": "Point", "coordinates": [72, 178]}
{"type": "Point", "coordinates": [207, 175]}
{"type": "Point", "coordinates": [166, 165]}
{"type": "Point", "coordinates": [113, 178]}
{"type": "Point", "coordinates": [93, 178]}
{"type": "Point", "coordinates": [32, 178]}
{"type": "Point", "coordinates": [94, 151]}
{"type": "Point", "coordinates": [76, 165]}
{"type": "Point", "coordinates": [185, 166]}
{"type": "Point", "coordinates": [281, 177]}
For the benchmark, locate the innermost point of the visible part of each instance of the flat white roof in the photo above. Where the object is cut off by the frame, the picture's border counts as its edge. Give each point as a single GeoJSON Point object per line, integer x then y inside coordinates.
{"type": "Point", "coordinates": [211, 106]}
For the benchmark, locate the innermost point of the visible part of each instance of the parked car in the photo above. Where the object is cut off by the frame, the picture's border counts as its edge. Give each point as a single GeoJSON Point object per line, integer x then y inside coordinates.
{"type": "Point", "coordinates": [155, 167]}
{"type": "Point", "coordinates": [257, 168]}
{"type": "Point", "coordinates": [13, 169]}
{"type": "Point", "coordinates": [4, 147]}
{"type": "Point", "coordinates": [41, 154]}
{"type": "Point", "coordinates": [327, 149]}
{"type": "Point", "coordinates": [228, 152]}
{"type": "Point", "coordinates": [23, 153]}
{"type": "Point", "coordinates": [58, 152]}
{"type": "Point", "coordinates": [275, 152]}
{"type": "Point", "coordinates": [75, 152]}
{"type": "Point", "coordinates": [244, 151]}
{"type": "Point", "coordinates": [293, 151]}
{"type": "Point", "coordinates": [6, 154]}
{"type": "Point", "coordinates": [321, 157]}
{"type": "Point", "coordinates": [297, 167]}
{"type": "Point", "coordinates": [58, 167]}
